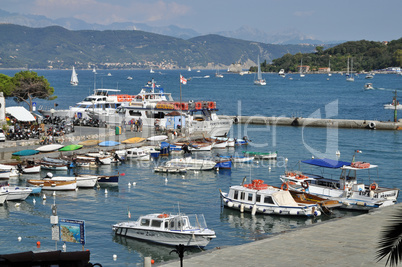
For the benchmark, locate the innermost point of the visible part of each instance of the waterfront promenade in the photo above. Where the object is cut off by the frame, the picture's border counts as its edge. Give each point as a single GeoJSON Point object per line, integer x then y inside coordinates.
{"type": "Point", "coordinates": [348, 241]}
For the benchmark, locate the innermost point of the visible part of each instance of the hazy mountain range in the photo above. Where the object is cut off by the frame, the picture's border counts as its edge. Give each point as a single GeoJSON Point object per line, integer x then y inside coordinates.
{"type": "Point", "coordinates": [243, 33]}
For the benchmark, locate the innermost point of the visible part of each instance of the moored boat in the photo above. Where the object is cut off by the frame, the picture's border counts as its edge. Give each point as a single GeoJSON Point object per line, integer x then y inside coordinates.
{"type": "Point", "coordinates": [353, 194]}
{"type": "Point", "coordinates": [192, 164]}
{"type": "Point", "coordinates": [258, 197]}
{"type": "Point", "coordinates": [168, 229]}
{"type": "Point", "coordinates": [110, 180]}
{"type": "Point", "coordinates": [261, 155]}
{"type": "Point", "coordinates": [82, 180]}
{"type": "Point", "coordinates": [54, 185]}
{"type": "Point", "coordinates": [16, 192]}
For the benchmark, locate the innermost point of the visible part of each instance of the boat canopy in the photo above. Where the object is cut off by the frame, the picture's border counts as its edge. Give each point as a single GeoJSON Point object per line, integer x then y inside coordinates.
{"type": "Point", "coordinates": [327, 163]}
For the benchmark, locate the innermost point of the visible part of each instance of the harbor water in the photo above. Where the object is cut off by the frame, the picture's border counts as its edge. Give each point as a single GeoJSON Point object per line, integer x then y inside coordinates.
{"type": "Point", "coordinates": [198, 192]}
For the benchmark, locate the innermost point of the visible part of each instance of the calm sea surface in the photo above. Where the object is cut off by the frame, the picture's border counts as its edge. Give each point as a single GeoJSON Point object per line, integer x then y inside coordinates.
{"type": "Point", "coordinates": [312, 96]}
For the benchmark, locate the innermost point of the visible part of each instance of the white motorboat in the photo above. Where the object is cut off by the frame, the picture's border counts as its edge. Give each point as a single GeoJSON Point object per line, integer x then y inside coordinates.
{"type": "Point", "coordinates": [353, 194]}
{"type": "Point", "coordinates": [369, 76]}
{"type": "Point", "coordinates": [168, 229]}
{"type": "Point", "coordinates": [191, 163]}
{"type": "Point", "coordinates": [8, 171]}
{"type": "Point", "coordinates": [16, 192]}
{"type": "Point", "coordinates": [393, 105]}
{"type": "Point", "coordinates": [5, 174]}
{"type": "Point", "coordinates": [258, 197]}
{"type": "Point", "coordinates": [259, 80]}
{"type": "Point", "coordinates": [83, 180]}
{"type": "Point", "coordinates": [54, 185]}
{"type": "Point", "coordinates": [136, 153]}
{"type": "Point", "coordinates": [368, 86]}
{"type": "Point", "coordinates": [261, 155]}
{"type": "Point", "coordinates": [282, 73]}
{"type": "Point", "coordinates": [74, 78]}
{"type": "Point", "coordinates": [102, 100]}
{"type": "Point", "coordinates": [105, 160]}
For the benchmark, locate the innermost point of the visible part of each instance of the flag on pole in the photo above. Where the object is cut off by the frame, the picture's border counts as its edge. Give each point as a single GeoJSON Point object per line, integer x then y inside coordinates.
{"type": "Point", "coordinates": [129, 214]}
{"type": "Point", "coordinates": [183, 80]}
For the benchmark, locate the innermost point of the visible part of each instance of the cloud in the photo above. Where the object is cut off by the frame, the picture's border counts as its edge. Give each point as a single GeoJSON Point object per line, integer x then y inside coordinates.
{"type": "Point", "coordinates": [105, 12]}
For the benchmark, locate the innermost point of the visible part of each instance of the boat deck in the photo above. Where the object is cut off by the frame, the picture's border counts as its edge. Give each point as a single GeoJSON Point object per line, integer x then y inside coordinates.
{"type": "Point", "coordinates": [347, 241]}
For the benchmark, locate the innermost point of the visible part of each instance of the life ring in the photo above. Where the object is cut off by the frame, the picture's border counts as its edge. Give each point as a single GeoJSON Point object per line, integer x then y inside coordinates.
{"type": "Point", "coordinates": [285, 186]}
{"type": "Point", "coordinates": [164, 215]}
{"type": "Point", "coordinates": [371, 125]}
{"type": "Point", "coordinates": [304, 184]}
{"type": "Point", "coordinates": [374, 186]}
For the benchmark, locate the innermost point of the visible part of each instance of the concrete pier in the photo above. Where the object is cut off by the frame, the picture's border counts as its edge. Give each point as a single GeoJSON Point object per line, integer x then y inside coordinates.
{"type": "Point", "coordinates": [350, 241]}
{"type": "Point", "coordinates": [316, 122]}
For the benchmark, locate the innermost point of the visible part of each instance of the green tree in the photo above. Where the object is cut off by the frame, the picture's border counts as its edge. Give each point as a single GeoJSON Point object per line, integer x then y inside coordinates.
{"type": "Point", "coordinates": [398, 57]}
{"type": "Point", "coordinates": [319, 49]}
{"type": "Point", "coordinates": [6, 85]}
{"type": "Point", "coordinates": [28, 86]}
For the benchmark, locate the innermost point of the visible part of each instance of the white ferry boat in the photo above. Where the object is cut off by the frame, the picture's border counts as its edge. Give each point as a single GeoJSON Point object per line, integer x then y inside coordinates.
{"type": "Point", "coordinates": [105, 102]}
{"type": "Point", "coordinates": [168, 229]}
{"type": "Point", "coordinates": [353, 194]}
{"type": "Point", "coordinates": [190, 116]}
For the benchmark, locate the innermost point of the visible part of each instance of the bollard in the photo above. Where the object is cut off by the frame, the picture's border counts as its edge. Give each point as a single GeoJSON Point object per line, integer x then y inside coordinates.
{"type": "Point", "coordinates": [147, 262]}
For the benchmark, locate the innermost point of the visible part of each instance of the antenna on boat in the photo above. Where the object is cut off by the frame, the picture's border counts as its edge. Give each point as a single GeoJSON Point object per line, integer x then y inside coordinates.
{"type": "Point", "coordinates": [354, 154]}
{"type": "Point", "coordinates": [178, 207]}
{"type": "Point", "coordinates": [244, 180]}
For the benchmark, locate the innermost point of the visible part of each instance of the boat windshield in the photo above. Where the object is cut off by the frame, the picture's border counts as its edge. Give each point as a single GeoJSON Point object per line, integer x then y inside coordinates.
{"type": "Point", "coordinates": [197, 221]}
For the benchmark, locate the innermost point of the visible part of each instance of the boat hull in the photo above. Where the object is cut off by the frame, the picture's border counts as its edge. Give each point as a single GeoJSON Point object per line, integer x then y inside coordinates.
{"type": "Point", "coordinates": [54, 185]}
{"type": "Point", "coordinates": [16, 193]}
{"type": "Point", "coordinates": [171, 238]}
{"type": "Point", "coordinates": [108, 180]}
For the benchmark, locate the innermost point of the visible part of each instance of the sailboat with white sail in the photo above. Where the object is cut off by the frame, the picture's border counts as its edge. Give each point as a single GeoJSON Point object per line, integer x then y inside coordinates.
{"type": "Point", "coordinates": [74, 78]}
{"type": "Point", "coordinates": [260, 80]}
{"type": "Point", "coordinates": [349, 76]}
{"type": "Point", "coordinates": [301, 68]}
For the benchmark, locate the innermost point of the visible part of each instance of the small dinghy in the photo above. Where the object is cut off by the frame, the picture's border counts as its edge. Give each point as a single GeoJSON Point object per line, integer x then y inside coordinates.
{"type": "Point", "coordinates": [70, 147]}
{"type": "Point", "coordinates": [109, 143]}
{"type": "Point", "coordinates": [26, 152]}
{"type": "Point", "coordinates": [49, 148]}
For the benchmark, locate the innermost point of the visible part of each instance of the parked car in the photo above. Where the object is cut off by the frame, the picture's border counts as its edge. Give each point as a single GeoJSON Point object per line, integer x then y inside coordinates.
{"type": "Point", "coordinates": [2, 136]}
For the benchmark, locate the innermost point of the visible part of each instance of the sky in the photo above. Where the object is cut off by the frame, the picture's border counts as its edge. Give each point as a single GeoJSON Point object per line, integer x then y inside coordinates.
{"type": "Point", "coordinates": [325, 20]}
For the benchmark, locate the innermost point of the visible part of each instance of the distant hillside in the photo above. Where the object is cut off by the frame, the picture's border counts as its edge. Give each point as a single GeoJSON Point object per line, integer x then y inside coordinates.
{"type": "Point", "coordinates": [366, 55]}
{"type": "Point", "coordinates": [57, 47]}
{"type": "Point", "coordinates": [243, 33]}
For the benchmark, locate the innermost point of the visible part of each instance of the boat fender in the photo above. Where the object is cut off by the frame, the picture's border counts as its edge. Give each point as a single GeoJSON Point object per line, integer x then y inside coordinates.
{"type": "Point", "coordinates": [371, 125]}
{"type": "Point", "coordinates": [373, 186]}
{"type": "Point", "coordinates": [254, 209]}
{"type": "Point", "coordinates": [317, 213]}
{"type": "Point", "coordinates": [230, 204]}
{"type": "Point", "coordinates": [285, 186]}
{"type": "Point", "coordinates": [242, 208]}
{"type": "Point", "coordinates": [304, 184]}
{"type": "Point", "coordinates": [236, 120]}
{"type": "Point", "coordinates": [49, 175]}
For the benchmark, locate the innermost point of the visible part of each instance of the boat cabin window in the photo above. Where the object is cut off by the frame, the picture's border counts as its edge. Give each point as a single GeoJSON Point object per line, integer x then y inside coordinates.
{"type": "Point", "coordinates": [166, 224]}
{"type": "Point", "coordinates": [107, 105]}
{"type": "Point", "coordinates": [268, 200]}
{"type": "Point", "coordinates": [242, 196]}
{"type": "Point", "coordinates": [258, 198]}
{"type": "Point", "coordinates": [236, 194]}
{"type": "Point", "coordinates": [250, 196]}
{"type": "Point", "coordinates": [134, 113]}
{"type": "Point", "coordinates": [144, 222]}
{"type": "Point", "coordinates": [156, 223]}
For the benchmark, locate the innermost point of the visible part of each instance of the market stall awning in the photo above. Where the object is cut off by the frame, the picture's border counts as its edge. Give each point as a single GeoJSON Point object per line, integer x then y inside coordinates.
{"type": "Point", "coordinates": [20, 113]}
